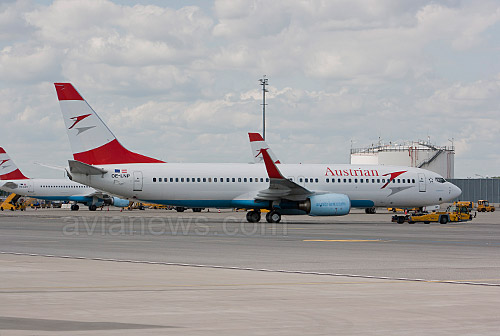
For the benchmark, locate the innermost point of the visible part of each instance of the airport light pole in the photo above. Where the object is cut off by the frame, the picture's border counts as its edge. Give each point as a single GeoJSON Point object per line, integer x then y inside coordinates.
{"type": "Point", "coordinates": [263, 82]}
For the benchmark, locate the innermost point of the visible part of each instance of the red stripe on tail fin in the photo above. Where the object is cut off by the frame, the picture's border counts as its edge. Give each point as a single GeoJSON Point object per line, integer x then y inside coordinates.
{"type": "Point", "coordinates": [111, 153]}
{"type": "Point", "coordinates": [255, 137]}
{"type": "Point", "coordinates": [66, 91]}
{"type": "Point", "coordinates": [15, 175]}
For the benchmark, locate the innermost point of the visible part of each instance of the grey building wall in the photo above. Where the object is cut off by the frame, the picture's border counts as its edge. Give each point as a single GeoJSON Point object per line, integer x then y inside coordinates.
{"type": "Point", "coordinates": [477, 189]}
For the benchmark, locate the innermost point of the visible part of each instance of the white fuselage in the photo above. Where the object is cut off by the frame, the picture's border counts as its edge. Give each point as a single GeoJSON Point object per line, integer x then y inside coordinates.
{"type": "Point", "coordinates": [236, 185]}
{"type": "Point", "coordinates": [48, 189]}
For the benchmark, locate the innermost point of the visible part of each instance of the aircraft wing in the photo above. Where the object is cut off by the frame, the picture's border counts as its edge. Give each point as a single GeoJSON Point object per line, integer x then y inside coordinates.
{"type": "Point", "coordinates": [279, 186]}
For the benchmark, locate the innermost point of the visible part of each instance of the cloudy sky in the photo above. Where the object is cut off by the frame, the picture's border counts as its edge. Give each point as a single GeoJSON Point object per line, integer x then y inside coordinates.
{"type": "Point", "coordinates": [178, 80]}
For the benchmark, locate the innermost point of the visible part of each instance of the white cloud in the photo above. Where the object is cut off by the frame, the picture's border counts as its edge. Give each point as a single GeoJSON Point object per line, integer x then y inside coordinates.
{"type": "Point", "coordinates": [187, 77]}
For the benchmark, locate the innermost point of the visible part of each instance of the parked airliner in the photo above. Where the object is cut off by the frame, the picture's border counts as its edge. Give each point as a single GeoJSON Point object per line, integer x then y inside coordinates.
{"type": "Point", "coordinates": [13, 180]}
{"type": "Point", "coordinates": [102, 162]}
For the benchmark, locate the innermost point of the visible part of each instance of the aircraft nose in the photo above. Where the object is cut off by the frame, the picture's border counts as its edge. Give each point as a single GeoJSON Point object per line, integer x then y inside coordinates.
{"type": "Point", "coordinates": [455, 191]}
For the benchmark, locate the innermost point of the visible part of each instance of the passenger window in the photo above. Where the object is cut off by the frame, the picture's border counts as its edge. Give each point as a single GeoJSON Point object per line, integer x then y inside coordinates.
{"type": "Point", "coordinates": [360, 180]}
{"type": "Point", "coordinates": [378, 180]}
{"type": "Point", "coordinates": [193, 179]}
{"type": "Point", "coordinates": [187, 179]}
{"type": "Point", "coordinates": [317, 180]}
{"type": "Point", "coordinates": [345, 180]}
{"type": "Point", "coordinates": [333, 180]}
{"type": "Point", "coordinates": [300, 179]}
{"type": "Point", "coordinates": [215, 179]}
{"type": "Point", "coordinates": [327, 180]}
{"type": "Point", "coordinates": [267, 179]}
{"type": "Point", "coordinates": [154, 179]}
{"type": "Point", "coordinates": [234, 180]}
{"type": "Point", "coordinates": [355, 180]}
{"type": "Point", "coordinates": [244, 179]}
{"type": "Point", "coordinates": [171, 179]}
{"type": "Point", "coordinates": [182, 179]}
{"type": "Point", "coordinates": [239, 179]}
{"type": "Point", "coordinates": [205, 179]}
{"type": "Point", "coordinates": [250, 180]}
{"type": "Point", "coordinates": [413, 181]}
{"type": "Point", "coordinates": [176, 179]}
{"type": "Point", "coordinates": [199, 180]}
{"type": "Point", "coordinates": [339, 180]}
{"type": "Point", "coordinates": [399, 181]}
{"type": "Point", "coordinates": [159, 179]}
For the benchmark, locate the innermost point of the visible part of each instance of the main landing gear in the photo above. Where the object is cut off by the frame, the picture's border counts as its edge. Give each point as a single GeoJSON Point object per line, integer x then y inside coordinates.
{"type": "Point", "coordinates": [75, 207]}
{"type": "Point", "coordinates": [370, 210]}
{"type": "Point", "coordinates": [253, 216]}
{"type": "Point", "coordinates": [92, 207]}
{"type": "Point", "coordinates": [271, 217]}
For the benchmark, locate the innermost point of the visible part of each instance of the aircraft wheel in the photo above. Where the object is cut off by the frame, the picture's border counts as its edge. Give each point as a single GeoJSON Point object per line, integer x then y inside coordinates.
{"type": "Point", "coordinates": [75, 207]}
{"type": "Point", "coordinates": [443, 220]}
{"type": "Point", "coordinates": [492, 209]}
{"type": "Point", "coordinates": [370, 211]}
{"type": "Point", "coordinates": [180, 209]}
{"type": "Point", "coordinates": [196, 209]}
{"type": "Point", "coordinates": [273, 217]}
{"type": "Point", "coordinates": [92, 207]}
{"type": "Point", "coordinates": [253, 216]}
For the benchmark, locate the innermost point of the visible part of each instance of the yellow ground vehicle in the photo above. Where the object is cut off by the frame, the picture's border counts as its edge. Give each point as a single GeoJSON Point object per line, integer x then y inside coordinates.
{"type": "Point", "coordinates": [454, 213]}
{"type": "Point", "coordinates": [401, 210]}
{"type": "Point", "coordinates": [135, 205]}
{"type": "Point", "coordinates": [468, 204]}
{"type": "Point", "coordinates": [484, 205]}
{"type": "Point", "coordinates": [13, 202]}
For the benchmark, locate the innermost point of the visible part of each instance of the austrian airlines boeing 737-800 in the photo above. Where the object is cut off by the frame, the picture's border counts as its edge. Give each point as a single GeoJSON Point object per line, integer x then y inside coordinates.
{"type": "Point", "coordinates": [102, 162]}
{"type": "Point", "coordinates": [13, 180]}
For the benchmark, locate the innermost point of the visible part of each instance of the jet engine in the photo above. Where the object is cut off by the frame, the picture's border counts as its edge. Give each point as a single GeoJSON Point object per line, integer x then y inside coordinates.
{"type": "Point", "coordinates": [117, 202]}
{"type": "Point", "coordinates": [326, 205]}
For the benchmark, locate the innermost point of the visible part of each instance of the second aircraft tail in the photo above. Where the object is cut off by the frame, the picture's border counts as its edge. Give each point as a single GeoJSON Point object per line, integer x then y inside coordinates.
{"type": "Point", "coordinates": [8, 169]}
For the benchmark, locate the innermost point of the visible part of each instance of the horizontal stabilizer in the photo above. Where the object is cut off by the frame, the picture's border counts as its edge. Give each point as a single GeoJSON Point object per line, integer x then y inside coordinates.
{"type": "Point", "coordinates": [77, 167]}
{"type": "Point", "coordinates": [10, 185]}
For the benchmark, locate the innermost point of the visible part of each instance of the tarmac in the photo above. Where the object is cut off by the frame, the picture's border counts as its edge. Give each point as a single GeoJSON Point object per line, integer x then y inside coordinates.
{"type": "Point", "coordinates": [157, 272]}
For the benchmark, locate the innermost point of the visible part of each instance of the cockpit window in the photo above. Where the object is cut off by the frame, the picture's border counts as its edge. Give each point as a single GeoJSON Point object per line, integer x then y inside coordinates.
{"type": "Point", "coordinates": [440, 180]}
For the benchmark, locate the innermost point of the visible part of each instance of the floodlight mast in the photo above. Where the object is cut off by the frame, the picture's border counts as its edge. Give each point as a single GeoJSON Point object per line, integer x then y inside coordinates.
{"type": "Point", "coordinates": [263, 82]}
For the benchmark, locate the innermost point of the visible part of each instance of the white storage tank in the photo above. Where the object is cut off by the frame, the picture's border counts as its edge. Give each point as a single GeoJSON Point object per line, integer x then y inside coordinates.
{"type": "Point", "coordinates": [420, 154]}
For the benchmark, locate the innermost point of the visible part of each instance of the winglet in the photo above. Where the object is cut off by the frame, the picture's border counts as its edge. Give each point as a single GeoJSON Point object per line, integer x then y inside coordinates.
{"type": "Point", "coordinates": [8, 169]}
{"type": "Point", "coordinates": [272, 169]}
{"type": "Point", "coordinates": [257, 143]}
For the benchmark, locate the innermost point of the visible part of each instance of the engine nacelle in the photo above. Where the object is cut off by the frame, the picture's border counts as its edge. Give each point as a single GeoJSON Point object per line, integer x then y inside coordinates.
{"type": "Point", "coordinates": [326, 205]}
{"type": "Point", "coordinates": [117, 202]}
